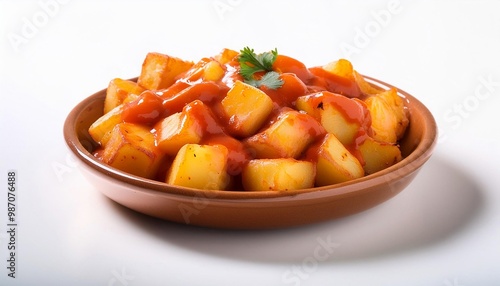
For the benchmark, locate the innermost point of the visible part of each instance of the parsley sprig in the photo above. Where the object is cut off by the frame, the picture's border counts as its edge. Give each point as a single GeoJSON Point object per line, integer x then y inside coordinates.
{"type": "Point", "coordinates": [251, 63]}
{"type": "Point", "coordinates": [271, 79]}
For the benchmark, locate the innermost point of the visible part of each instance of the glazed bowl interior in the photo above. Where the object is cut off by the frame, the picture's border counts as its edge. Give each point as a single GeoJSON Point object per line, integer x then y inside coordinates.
{"type": "Point", "coordinates": [251, 210]}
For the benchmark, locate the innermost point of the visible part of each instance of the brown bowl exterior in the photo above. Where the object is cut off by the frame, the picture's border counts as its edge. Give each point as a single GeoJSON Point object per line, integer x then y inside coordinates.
{"type": "Point", "coordinates": [251, 210]}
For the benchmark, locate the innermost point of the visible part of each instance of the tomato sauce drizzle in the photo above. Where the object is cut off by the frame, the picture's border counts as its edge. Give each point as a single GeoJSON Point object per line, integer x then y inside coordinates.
{"type": "Point", "coordinates": [204, 99]}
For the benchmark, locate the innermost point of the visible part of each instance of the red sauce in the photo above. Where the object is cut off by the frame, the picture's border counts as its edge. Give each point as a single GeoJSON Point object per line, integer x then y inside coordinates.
{"type": "Point", "coordinates": [334, 83]}
{"type": "Point", "coordinates": [205, 91]}
{"type": "Point", "coordinates": [286, 64]}
{"type": "Point", "coordinates": [313, 127]}
{"type": "Point", "coordinates": [211, 125]}
{"type": "Point", "coordinates": [354, 148]}
{"type": "Point", "coordinates": [312, 151]}
{"type": "Point", "coordinates": [146, 109]}
{"type": "Point", "coordinates": [353, 109]}
{"type": "Point", "coordinates": [172, 90]}
{"type": "Point", "coordinates": [288, 93]}
{"type": "Point", "coordinates": [203, 99]}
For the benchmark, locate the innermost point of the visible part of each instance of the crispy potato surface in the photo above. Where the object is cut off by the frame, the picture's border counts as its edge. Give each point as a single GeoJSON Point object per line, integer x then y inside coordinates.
{"type": "Point", "coordinates": [249, 122]}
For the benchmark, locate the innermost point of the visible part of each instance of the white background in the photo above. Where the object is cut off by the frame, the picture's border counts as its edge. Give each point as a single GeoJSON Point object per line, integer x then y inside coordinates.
{"type": "Point", "coordinates": [442, 230]}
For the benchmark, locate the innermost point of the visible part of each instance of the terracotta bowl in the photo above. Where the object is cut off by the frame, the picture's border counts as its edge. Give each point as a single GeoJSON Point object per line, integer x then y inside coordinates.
{"type": "Point", "coordinates": [250, 210]}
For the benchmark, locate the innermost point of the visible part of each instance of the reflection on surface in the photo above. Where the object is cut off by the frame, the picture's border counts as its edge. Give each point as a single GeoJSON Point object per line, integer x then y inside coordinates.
{"type": "Point", "coordinates": [439, 203]}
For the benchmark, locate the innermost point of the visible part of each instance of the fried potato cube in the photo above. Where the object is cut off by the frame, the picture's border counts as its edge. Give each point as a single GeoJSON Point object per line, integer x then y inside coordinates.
{"type": "Point", "coordinates": [287, 137]}
{"type": "Point", "coordinates": [278, 175]}
{"type": "Point", "coordinates": [378, 155]}
{"type": "Point", "coordinates": [196, 71]}
{"type": "Point", "coordinates": [246, 108]}
{"type": "Point", "coordinates": [334, 163]}
{"type": "Point", "coordinates": [341, 67]}
{"type": "Point", "coordinates": [160, 71]}
{"type": "Point", "coordinates": [176, 130]}
{"type": "Point", "coordinates": [342, 116]}
{"type": "Point", "coordinates": [365, 87]}
{"type": "Point", "coordinates": [226, 56]}
{"type": "Point", "coordinates": [206, 69]}
{"type": "Point", "coordinates": [101, 129]}
{"type": "Point", "coordinates": [238, 155]}
{"type": "Point", "coordinates": [213, 71]}
{"type": "Point", "coordinates": [201, 167]}
{"type": "Point", "coordinates": [384, 120]}
{"type": "Point", "coordinates": [390, 118]}
{"type": "Point", "coordinates": [398, 107]}
{"type": "Point", "coordinates": [119, 91]}
{"type": "Point", "coordinates": [131, 148]}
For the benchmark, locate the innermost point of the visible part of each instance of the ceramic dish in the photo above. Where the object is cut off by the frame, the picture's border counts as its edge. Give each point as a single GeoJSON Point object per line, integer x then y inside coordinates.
{"type": "Point", "coordinates": [251, 210]}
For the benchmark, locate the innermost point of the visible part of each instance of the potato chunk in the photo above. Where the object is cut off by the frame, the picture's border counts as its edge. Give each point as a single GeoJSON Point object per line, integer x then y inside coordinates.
{"type": "Point", "coordinates": [365, 87]}
{"type": "Point", "coordinates": [226, 56]}
{"type": "Point", "coordinates": [177, 130]}
{"type": "Point", "coordinates": [100, 130]}
{"type": "Point", "coordinates": [378, 155]}
{"type": "Point", "coordinates": [278, 175]}
{"type": "Point", "coordinates": [160, 71]}
{"type": "Point", "coordinates": [398, 107]}
{"type": "Point", "coordinates": [287, 137]}
{"type": "Point", "coordinates": [201, 167]}
{"type": "Point", "coordinates": [344, 117]}
{"type": "Point", "coordinates": [384, 120]}
{"type": "Point", "coordinates": [120, 91]}
{"type": "Point", "coordinates": [389, 115]}
{"type": "Point", "coordinates": [131, 148]}
{"type": "Point", "coordinates": [338, 77]}
{"type": "Point", "coordinates": [334, 163]}
{"type": "Point", "coordinates": [246, 108]}
{"type": "Point", "coordinates": [186, 127]}
{"type": "Point", "coordinates": [213, 71]}
{"type": "Point", "coordinates": [342, 68]}
{"type": "Point", "coordinates": [206, 69]}
{"type": "Point", "coordinates": [238, 156]}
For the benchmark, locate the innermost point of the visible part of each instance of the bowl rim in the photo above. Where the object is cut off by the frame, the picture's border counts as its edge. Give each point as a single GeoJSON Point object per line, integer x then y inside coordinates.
{"type": "Point", "coordinates": [405, 167]}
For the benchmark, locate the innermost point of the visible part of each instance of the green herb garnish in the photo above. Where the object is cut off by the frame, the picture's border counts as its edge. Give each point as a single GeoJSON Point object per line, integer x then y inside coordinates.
{"type": "Point", "coordinates": [251, 63]}
{"type": "Point", "coordinates": [270, 79]}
